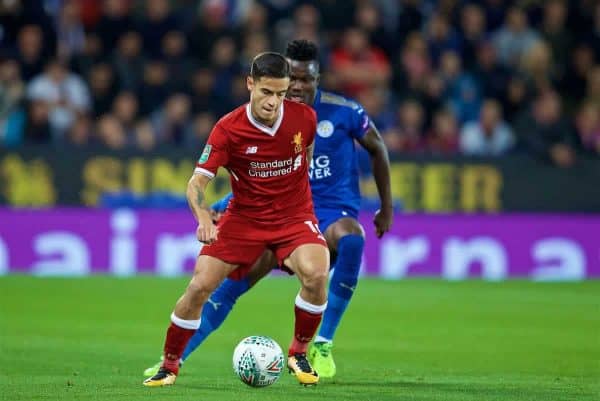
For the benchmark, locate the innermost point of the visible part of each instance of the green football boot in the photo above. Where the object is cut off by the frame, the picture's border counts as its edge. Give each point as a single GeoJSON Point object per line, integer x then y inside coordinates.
{"type": "Point", "coordinates": [152, 370]}
{"type": "Point", "coordinates": [321, 359]}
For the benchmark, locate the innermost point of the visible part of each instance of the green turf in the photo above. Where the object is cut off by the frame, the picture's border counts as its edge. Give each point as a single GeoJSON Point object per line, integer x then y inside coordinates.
{"type": "Point", "coordinates": [90, 339]}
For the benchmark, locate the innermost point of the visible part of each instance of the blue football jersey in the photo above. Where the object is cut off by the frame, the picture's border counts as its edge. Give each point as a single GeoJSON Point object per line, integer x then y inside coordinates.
{"type": "Point", "coordinates": [334, 175]}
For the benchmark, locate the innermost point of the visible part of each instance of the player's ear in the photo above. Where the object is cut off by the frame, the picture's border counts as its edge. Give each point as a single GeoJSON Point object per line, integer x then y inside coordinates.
{"type": "Point", "coordinates": [249, 83]}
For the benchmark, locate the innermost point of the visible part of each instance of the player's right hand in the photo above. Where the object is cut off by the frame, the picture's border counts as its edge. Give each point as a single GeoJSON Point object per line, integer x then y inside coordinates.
{"type": "Point", "coordinates": [216, 216]}
{"type": "Point", "coordinates": [206, 232]}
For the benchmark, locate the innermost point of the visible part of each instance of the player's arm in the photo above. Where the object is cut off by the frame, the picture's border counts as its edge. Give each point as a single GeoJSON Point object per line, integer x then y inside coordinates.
{"type": "Point", "coordinates": [310, 150]}
{"type": "Point", "coordinates": [380, 165]}
{"type": "Point", "coordinates": [206, 231]}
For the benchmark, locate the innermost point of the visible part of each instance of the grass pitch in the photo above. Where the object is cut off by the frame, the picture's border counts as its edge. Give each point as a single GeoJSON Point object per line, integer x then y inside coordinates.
{"type": "Point", "coordinates": [90, 339]}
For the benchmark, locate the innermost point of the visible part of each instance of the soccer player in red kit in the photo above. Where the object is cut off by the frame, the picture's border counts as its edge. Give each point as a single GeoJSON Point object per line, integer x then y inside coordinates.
{"type": "Point", "coordinates": [266, 146]}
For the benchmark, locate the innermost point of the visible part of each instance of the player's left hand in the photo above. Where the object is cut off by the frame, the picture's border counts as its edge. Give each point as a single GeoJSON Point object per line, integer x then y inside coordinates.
{"type": "Point", "coordinates": [383, 221]}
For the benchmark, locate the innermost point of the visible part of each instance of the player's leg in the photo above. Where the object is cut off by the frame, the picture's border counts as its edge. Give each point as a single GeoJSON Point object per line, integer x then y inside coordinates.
{"type": "Point", "coordinates": [346, 237]}
{"type": "Point", "coordinates": [220, 304]}
{"type": "Point", "coordinates": [310, 262]}
{"type": "Point", "coordinates": [185, 319]}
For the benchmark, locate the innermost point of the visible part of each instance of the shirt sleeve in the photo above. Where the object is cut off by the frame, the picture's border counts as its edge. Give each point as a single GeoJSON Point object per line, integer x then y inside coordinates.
{"type": "Point", "coordinates": [359, 122]}
{"type": "Point", "coordinates": [215, 153]}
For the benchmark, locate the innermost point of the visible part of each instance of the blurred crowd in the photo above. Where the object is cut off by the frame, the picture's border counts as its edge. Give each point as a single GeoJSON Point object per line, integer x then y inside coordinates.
{"type": "Point", "coordinates": [444, 77]}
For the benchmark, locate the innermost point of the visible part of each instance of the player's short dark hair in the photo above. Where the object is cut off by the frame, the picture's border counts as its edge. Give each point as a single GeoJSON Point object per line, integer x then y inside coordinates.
{"type": "Point", "coordinates": [269, 64]}
{"type": "Point", "coordinates": [302, 50]}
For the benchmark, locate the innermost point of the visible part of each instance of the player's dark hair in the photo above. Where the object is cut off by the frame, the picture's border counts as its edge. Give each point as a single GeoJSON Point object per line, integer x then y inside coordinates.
{"type": "Point", "coordinates": [302, 50]}
{"type": "Point", "coordinates": [269, 64]}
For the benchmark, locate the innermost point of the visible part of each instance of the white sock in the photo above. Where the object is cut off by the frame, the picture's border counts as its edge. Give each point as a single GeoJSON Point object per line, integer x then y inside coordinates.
{"type": "Point", "coordinates": [185, 324]}
{"type": "Point", "coordinates": [320, 339]}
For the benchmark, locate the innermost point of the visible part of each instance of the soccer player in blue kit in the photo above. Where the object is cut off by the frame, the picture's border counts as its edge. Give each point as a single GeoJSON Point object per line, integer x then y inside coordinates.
{"type": "Point", "coordinates": [334, 183]}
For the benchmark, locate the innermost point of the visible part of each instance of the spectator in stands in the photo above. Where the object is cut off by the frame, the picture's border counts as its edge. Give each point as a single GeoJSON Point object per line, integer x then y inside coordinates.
{"type": "Point", "coordinates": [357, 65]}
{"type": "Point", "coordinates": [489, 135]}
{"type": "Point", "coordinates": [145, 137]}
{"type": "Point", "coordinates": [210, 26]}
{"type": "Point", "coordinates": [410, 18]}
{"type": "Point", "coordinates": [129, 61]}
{"type": "Point", "coordinates": [441, 38]}
{"type": "Point", "coordinates": [110, 133]}
{"type": "Point", "coordinates": [172, 121]}
{"type": "Point", "coordinates": [495, 13]}
{"type": "Point", "coordinates": [442, 138]}
{"type": "Point", "coordinates": [91, 54]}
{"type": "Point", "coordinates": [462, 92]}
{"type": "Point", "coordinates": [254, 44]}
{"type": "Point", "coordinates": [515, 38]}
{"type": "Point", "coordinates": [30, 51]}
{"type": "Point", "coordinates": [368, 18]}
{"type": "Point", "coordinates": [103, 87]}
{"type": "Point", "coordinates": [154, 88]}
{"type": "Point", "coordinates": [125, 108]}
{"type": "Point", "coordinates": [29, 124]}
{"type": "Point", "coordinates": [581, 64]}
{"type": "Point", "coordinates": [376, 103]}
{"type": "Point", "coordinates": [516, 99]}
{"type": "Point", "coordinates": [546, 132]}
{"type": "Point", "coordinates": [65, 92]}
{"type": "Point", "coordinates": [225, 63]}
{"type": "Point", "coordinates": [174, 54]}
{"type": "Point", "coordinates": [305, 25]}
{"type": "Point", "coordinates": [554, 31]}
{"type": "Point", "coordinates": [12, 88]}
{"type": "Point", "coordinates": [473, 29]}
{"type": "Point", "coordinates": [587, 125]}
{"type": "Point", "coordinates": [491, 75]}
{"type": "Point", "coordinates": [200, 129]}
{"type": "Point", "coordinates": [413, 69]}
{"type": "Point", "coordinates": [593, 86]}
{"type": "Point", "coordinates": [114, 22]}
{"type": "Point", "coordinates": [338, 15]}
{"type": "Point", "coordinates": [203, 91]}
{"type": "Point", "coordinates": [69, 30]}
{"type": "Point", "coordinates": [537, 68]}
{"type": "Point", "coordinates": [407, 135]}
{"type": "Point", "coordinates": [158, 22]}
{"type": "Point", "coordinates": [80, 133]}
{"type": "Point", "coordinates": [255, 20]}
{"type": "Point", "coordinates": [591, 35]}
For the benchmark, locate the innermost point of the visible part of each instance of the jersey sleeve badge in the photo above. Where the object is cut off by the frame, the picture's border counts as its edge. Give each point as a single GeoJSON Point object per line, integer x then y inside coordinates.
{"type": "Point", "coordinates": [205, 154]}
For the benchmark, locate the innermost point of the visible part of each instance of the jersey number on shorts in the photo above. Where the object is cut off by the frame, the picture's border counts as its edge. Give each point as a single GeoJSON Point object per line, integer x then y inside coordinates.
{"type": "Point", "coordinates": [314, 228]}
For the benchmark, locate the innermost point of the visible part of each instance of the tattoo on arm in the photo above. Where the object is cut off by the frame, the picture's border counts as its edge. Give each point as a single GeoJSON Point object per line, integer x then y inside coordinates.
{"type": "Point", "coordinates": [199, 197]}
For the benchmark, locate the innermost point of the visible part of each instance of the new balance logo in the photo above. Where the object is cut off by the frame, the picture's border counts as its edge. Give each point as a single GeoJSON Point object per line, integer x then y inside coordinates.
{"type": "Point", "coordinates": [213, 303]}
{"type": "Point", "coordinates": [251, 150]}
{"type": "Point", "coordinates": [348, 287]}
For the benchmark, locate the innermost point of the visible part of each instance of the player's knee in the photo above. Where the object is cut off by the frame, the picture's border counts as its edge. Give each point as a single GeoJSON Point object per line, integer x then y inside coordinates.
{"type": "Point", "coordinates": [199, 291]}
{"type": "Point", "coordinates": [315, 277]}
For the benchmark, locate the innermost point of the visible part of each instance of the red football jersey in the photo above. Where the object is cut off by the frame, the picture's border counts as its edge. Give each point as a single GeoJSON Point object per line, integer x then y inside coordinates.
{"type": "Point", "coordinates": [269, 173]}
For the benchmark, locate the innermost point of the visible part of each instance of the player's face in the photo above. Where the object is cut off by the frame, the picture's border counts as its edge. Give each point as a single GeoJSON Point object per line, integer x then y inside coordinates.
{"type": "Point", "coordinates": [304, 80]}
{"type": "Point", "coordinates": [266, 96]}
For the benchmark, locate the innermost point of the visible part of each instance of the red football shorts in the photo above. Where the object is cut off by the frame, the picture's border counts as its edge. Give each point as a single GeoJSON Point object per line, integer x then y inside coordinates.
{"type": "Point", "coordinates": [242, 241]}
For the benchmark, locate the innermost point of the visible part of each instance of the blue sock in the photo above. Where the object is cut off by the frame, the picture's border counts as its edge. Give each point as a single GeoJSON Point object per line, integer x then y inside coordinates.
{"type": "Point", "coordinates": [215, 311]}
{"type": "Point", "coordinates": [342, 284]}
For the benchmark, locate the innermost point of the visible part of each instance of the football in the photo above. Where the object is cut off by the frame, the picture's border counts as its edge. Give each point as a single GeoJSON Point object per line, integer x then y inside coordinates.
{"type": "Point", "coordinates": [258, 361]}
